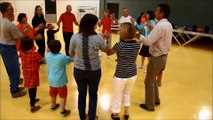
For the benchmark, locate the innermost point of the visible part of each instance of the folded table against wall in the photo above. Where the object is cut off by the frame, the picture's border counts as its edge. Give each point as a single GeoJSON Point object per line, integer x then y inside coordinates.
{"type": "Point", "coordinates": [188, 36]}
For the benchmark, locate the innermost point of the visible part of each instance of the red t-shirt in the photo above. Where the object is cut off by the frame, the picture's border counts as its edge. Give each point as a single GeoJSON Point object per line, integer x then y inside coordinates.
{"type": "Point", "coordinates": [30, 32]}
{"type": "Point", "coordinates": [106, 22]}
{"type": "Point", "coordinates": [67, 21]}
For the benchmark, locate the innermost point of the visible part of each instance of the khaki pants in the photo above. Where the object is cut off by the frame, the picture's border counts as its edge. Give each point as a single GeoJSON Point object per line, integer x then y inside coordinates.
{"type": "Point", "coordinates": [155, 67]}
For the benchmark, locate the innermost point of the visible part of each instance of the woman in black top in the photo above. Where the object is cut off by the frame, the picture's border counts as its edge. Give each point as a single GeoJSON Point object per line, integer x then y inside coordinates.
{"type": "Point", "coordinates": [37, 20]}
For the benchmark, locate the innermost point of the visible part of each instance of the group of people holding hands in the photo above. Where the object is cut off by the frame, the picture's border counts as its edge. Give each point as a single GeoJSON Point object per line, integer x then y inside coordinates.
{"type": "Point", "coordinates": [83, 49]}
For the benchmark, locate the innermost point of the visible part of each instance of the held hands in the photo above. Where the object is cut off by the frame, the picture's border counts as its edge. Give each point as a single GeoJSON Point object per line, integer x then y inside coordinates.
{"type": "Point", "coordinates": [58, 25]}
{"type": "Point", "coordinates": [149, 26]}
{"type": "Point", "coordinates": [38, 37]}
{"type": "Point", "coordinates": [137, 35]}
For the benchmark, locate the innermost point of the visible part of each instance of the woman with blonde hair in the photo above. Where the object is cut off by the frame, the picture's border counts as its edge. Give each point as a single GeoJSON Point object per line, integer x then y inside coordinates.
{"type": "Point", "coordinates": [126, 73]}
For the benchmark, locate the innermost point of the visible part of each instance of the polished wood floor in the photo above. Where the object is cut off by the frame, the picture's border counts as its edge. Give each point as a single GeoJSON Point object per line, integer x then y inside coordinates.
{"type": "Point", "coordinates": [186, 91]}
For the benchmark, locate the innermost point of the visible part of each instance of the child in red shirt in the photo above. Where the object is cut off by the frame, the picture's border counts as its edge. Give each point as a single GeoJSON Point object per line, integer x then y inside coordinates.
{"type": "Point", "coordinates": [106, 21]}
{"type": "Point", "coordinates": [30, 66]}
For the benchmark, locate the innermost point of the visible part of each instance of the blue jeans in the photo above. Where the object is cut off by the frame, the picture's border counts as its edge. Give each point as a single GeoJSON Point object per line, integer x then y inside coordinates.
{"type": "Point", "coordinates": [10, 59]}
{"type": "Point", "coordinates": [86, 79]}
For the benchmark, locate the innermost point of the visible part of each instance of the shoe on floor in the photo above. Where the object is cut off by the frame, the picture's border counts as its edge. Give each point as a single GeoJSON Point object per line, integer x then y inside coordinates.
{"type": "Point", "coordinates": [54, 107]}
{"type": "Point", "coordinates": [126, 117]}
{"type": "Point", "coordinates": [157, 103]}
{"type": "Point", "coordinates": [145, 107]}
{"type": "Point", "coordinates": [65, 113]}
{"type": "Point", "coordinates": [115, 117]}
{"type": "Point", "coordinates": [20, 93]}
{"type": "Point", "coordinates": [86, 117]}
{"type": "Point", "coordinates": [21, 88]}
{"type": "Point", "coordinates": [35, 108]}
{"type": "Point", "coordinates": [21, 81]}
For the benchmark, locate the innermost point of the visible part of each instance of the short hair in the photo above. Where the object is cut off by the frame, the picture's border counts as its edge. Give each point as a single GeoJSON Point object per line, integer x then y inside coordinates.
{"type": "Point", "coordinates": [87, 25]}
{"type": "Point", "coordinates": [27, 43]}
{"type": "Point", "coordinates": [129, 30]}
{"type": "Point", "coordinates": [54, 46]}
{"type": "Point", "coordinates": [151, 14]}
{"type": "Point", "coordinates": [4, 6]}
{"type": "Point", "coordinates": [49, 25]}
{"type": "Point", "coordinates": [165, 9]}
{"type": "Point", "coordinates": [21, 16]}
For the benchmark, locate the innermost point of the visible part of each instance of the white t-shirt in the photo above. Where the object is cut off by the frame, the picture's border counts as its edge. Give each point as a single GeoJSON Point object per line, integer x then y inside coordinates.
{"type": "Point", "coordinates": [9, 33]}
{"type": "Point", "coordinates": [125, 19]}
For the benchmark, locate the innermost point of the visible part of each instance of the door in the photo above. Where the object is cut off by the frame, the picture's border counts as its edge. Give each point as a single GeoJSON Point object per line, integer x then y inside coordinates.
{"type": "Point", "coordinates": [113, 8]}
{"type": "Point", "coordinates": [50, 10]}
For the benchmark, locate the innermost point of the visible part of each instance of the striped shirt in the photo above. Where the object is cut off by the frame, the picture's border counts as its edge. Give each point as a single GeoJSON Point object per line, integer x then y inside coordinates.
{"type": "Point", "coordinates": [127, 52]}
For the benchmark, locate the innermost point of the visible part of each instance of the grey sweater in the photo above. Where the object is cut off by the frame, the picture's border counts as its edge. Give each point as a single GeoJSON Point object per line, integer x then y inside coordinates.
{"type": "Point", "coordinates": [86, 51]}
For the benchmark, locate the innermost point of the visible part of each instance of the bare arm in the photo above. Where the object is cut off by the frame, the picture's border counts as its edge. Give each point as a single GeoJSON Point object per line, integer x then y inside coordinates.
{"type": "Point", "coordinates": [99, 23]}
{"type": "Point", "coordinates": [59, 22]}
{"type": "Point", "coordinates": [76, 23]}
{"type": "Point", "coordinates": [111, 52]}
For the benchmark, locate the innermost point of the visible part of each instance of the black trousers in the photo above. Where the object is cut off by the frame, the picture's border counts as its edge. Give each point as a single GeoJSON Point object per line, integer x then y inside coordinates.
{"type": "Point", "coordinates": [67, 37]}
{"type": "Point", "coordinates": [32, 95]}
{"type": "Point", "coordinates": [84, 80]}
{"type": "Point", "coordinates": [41, 46]}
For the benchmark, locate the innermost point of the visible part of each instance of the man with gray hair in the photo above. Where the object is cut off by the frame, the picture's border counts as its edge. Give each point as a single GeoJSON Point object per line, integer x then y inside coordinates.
{"type": "Point", "coordinates": [9, 33]}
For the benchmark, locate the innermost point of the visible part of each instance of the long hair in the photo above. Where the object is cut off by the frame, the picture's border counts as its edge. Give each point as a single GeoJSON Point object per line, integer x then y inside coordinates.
{"type": "Point", "coordinates": [87, 25]}
{"type": "Point", "coordinates": [35, 13]}
{"type": "Point", "coordinates": [107, 11]}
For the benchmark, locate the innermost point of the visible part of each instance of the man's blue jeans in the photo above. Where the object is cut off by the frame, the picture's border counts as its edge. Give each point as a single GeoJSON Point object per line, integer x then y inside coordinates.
{"type": "Point", "coordinates": [10, 59]}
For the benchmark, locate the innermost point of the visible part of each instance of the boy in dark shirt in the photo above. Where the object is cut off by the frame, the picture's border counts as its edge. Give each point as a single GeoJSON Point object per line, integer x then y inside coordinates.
{"type": "Point", "coordinates": [51, 32]}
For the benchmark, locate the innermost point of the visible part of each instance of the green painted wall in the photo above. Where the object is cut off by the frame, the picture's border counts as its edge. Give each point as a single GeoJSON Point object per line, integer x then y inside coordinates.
{"type": "Point", "coordinates": [184, 12]}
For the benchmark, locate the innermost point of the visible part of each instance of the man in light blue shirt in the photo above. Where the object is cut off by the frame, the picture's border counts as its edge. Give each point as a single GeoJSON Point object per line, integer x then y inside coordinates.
{"type": "Point", "coordinates": [57, 77]}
